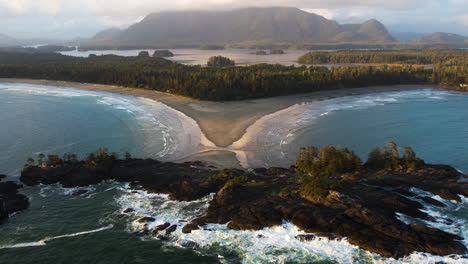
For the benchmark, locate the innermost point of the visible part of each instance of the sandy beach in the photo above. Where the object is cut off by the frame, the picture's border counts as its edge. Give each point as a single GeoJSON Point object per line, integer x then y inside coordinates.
{"type": "Point", "coordinates": [224, 123]}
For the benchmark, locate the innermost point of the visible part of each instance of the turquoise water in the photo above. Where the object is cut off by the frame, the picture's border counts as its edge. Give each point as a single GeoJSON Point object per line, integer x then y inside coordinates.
{"type": "Point", "coordinates": [434, 122]}
{"type": "Point", "coordinates": [52, 120]}
{"type": "Point", "coordinates": [62, 228]}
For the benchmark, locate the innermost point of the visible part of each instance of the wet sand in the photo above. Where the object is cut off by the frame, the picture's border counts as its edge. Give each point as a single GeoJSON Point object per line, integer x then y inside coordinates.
{"type": "Point", "coordinates": [224, 123]}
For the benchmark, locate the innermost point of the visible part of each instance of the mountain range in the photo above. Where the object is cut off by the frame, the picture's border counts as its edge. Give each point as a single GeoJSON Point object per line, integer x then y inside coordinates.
{"type": "Point", "coordinates": [441, 38]}
{"type": "Point", "coordinates": [257, 25]}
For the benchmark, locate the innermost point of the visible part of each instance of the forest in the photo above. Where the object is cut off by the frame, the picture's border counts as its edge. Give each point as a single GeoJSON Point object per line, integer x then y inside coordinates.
{"type": "Point", "coordinates": [415, 57]}
{"type": "Point", "coordinates": [223, 83]}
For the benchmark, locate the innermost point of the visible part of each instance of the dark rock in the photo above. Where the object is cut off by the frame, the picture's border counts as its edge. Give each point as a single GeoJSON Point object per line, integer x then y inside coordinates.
{"type": "Point", "coordinates": [159, 228]}
{"type": "Point", "coordinates": [171, 230]}
{"type": "Point", "coordinates": [128, 210]}
{"type": "Point", "coordinates": [189, 228]}
{"type": "Point", "coordinates": [10, 200]}
{"type": "Point", "coordinates": [404, 192]}
{"type": "Point", "coordinates": [306, 237]}
{"type": "Point", "coordinates": [363, 213]}
{"type": "Point", "coordinates": [146, 219]}
{"type": "Point", "coordinates": [188, 244]}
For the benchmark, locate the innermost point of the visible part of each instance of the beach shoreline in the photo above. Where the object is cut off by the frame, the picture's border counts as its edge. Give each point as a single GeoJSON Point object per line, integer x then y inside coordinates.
{"type": "Point", "coordinates": [225, 123]}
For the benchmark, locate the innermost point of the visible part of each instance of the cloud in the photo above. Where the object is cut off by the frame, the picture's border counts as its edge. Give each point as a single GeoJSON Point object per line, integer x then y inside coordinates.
{"type": "Point", "coordinates": [143, 7]}
{"type": "Point", "coordinates": [71, 18]}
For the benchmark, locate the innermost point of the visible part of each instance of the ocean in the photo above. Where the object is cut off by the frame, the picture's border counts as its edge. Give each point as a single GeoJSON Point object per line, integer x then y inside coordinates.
{"type": "Point", "coordinates": [63, 228]}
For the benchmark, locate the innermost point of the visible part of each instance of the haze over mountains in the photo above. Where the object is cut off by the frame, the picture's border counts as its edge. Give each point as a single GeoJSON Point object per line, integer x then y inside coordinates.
{"type": "Point", "coordinates": [8, 41]}
{"type": "Point", "coordinates": [260, 25]}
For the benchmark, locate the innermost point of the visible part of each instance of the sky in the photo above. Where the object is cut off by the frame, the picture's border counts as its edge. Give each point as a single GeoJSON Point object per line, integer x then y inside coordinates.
{"type": "Point", "coordinates": [68, 19]}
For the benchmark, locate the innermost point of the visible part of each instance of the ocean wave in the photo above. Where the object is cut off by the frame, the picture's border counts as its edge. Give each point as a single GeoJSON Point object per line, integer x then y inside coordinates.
{"type": "Point", "coordinates": [44, 241]}
{"type": "Point", "coordinates": [167, 134]}
{"type": "Point", "coordinates": [270, 245]}
{"type": "Point", "coordinates": [268, 140]}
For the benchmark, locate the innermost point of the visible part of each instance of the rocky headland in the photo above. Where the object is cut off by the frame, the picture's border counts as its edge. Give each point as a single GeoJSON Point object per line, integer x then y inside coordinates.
{"type": "Point", "coordinates": [363, 207]}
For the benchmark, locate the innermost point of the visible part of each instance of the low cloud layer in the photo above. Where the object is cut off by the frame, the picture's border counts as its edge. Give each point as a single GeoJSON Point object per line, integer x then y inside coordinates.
{"type": "Point", "coordinates": [65, 18]}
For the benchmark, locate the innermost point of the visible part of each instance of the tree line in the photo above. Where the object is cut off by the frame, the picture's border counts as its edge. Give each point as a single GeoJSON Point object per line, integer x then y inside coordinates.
{"type": "Point", "coordinates": [214, 83]}
{"type": "Point", "coordinates": [333, 168]}
{"type": "Point", "coordinates": [419, 57]}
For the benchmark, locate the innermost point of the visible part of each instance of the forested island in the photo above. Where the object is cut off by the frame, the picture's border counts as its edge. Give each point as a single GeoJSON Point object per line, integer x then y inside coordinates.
{"type": "Point", "coordinates": [329, 192]}
{"type": "Point", "coordinates": [418, 57]}
{"type": "Point", "coordinates": [220, 83]}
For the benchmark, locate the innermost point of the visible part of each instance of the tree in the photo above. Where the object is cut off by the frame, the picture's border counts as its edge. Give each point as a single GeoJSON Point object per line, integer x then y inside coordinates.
{"type": "Point", "coordinates": [128, 156]}
{"type": "Point", "coordinates": [30, 162]}
{"type": "Point", "coordinates": [312, 187]}
{"type": "Point", "coordinates": [40, 159]}
{"type": "Point", "coordinates": [376, 159]}
{"type": "Point", "coordinates": [220, 61]}
{"type": "Point", "coordinates": [328, 161]}
{"type": "Point", "coordinates": [144, 54]}
{"type": "Point", "coordinates": [54, 160]}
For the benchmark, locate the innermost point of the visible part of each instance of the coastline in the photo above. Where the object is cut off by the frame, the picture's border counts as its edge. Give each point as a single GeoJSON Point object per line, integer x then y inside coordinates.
{"type": "Point", "coordinates": [225, 123]}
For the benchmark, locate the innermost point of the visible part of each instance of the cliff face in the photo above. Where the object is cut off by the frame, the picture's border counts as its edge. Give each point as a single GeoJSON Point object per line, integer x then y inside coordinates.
{"type": "Point", "coordinates": [268, 25]}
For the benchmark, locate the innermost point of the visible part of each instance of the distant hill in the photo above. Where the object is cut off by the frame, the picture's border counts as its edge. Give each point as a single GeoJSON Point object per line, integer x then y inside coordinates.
{"type": "Point", "coordinates": [442, 38]}
{"type": "Point", "coordinates": [108, 33]}
{"type": "Point", "coordinates": [406, 36]}
{"type": "Point", "coordinates": [8, 41]}
{"type": "Point", "coordinates": [249, 25]}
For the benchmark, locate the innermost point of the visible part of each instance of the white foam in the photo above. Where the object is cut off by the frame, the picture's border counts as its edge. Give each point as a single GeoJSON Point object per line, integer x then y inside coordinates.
{"type": "Point", "coordinates": [269, 245]}
{"type": "Point", "coordinates": [266, 142]}
{"type": "Point", "coordinates": [180, 135]}
{"type": "Point", "coordinates": [44, 241]}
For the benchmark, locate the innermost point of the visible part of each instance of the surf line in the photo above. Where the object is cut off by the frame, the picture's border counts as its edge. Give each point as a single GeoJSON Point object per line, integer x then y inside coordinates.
{"type": "Point", "coordinates": [43, 242]}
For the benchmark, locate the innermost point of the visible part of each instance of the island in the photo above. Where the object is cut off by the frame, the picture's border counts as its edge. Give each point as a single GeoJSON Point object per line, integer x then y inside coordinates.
{"type": "Point", "coordinates": [220, 61]}
{"type": "Point", "coordinates": [328, 192]}
{"type": "Point", "coordinates": [163, 54]}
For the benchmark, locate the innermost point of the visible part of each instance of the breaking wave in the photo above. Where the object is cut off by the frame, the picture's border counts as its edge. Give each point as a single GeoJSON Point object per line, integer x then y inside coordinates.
{"type": "Point", "coordinates": [167, 134]}
{"type": "Point", "coordinates": [44, 241]}
{"type": "Point", "coordinates": [268, 141]}
{"type": "Point", "coordinates": [270, 245]}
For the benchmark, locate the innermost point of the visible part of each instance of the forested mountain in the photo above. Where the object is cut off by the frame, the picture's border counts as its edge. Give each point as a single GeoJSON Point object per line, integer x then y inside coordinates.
{"type": "Point", "coordinates": [442, 38]}
{"type": "Point", "coordinates": [249, 25]}
{"type": "Point", "coordinates": [406, 36]}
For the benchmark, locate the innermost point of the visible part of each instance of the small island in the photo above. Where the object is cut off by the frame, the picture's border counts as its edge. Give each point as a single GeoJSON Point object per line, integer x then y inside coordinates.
{"type": "Point", "coordinates": [329, 192]}
{"type": "Point", "coordinates": [163, 54]}
{"type": "Point", "coordinates": [220, 61]}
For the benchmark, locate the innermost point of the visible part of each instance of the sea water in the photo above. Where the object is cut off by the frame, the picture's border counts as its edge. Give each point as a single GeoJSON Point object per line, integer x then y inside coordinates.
{"type": "Point", "coordinates": [52, 120]}
{"type": "Point", "coordinates": [434, 122]}
{"type": "Point", "coordinates": [90, 228]}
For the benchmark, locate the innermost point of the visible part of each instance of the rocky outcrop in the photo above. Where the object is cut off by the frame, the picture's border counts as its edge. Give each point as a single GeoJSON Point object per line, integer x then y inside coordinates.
{"type": "Point", "coordinates": [365, 212]}
{"type": "Point", "coordinates": [10, 200]}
